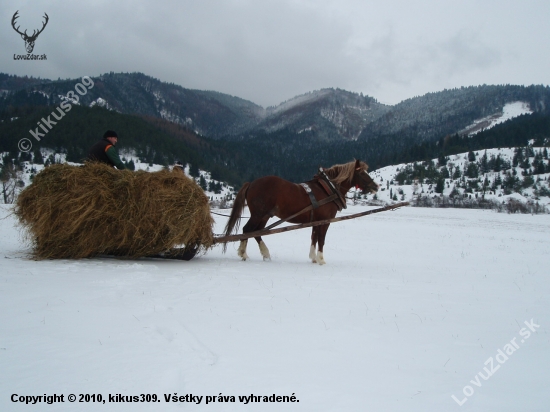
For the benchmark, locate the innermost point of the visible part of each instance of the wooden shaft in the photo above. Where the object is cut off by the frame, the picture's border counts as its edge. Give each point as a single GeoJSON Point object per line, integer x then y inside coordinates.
{"type": "Point", "coordinates": [306, 209]}
{"type": "Point", "coordinates": [265, 232]}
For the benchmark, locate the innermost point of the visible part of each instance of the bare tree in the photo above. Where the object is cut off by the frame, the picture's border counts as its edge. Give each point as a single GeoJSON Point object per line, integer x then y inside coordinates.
{"type": "Point", "coordinates": [10, 176]}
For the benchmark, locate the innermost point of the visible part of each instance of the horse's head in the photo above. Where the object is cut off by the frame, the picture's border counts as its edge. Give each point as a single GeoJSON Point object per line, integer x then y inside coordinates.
{"type": "Point", "coordinates": [362, 180]}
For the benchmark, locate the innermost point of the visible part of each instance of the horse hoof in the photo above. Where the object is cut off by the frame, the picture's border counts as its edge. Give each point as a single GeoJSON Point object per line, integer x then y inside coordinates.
{"type": "Point", "coordinates": [320, 258]}
{"type": "Point", "coordinates": [264, 251]}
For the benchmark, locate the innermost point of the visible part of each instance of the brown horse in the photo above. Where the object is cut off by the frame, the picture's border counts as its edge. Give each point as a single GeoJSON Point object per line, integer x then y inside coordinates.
{"type": "Point", "coordinates": [272, 196]}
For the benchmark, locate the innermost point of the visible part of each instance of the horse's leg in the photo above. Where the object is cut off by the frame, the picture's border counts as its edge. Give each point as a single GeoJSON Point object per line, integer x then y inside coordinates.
{"type": "Point", "coordinates": [314, 238]}
{"type": "Point", "coordinates": [254, 223]}
{"type": "Point", "coordinates": [249, 227]}
{"type": "Point", "coordinates": [241, 251]}
{"type": "Point", "coordinates": [322, 231]}
{"type": "Point", "coordinates": [263, 248]}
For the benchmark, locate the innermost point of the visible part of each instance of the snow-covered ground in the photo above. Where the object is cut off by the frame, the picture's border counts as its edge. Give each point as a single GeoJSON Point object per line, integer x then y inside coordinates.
{"type": "Point", "coordinates": [413, 307]}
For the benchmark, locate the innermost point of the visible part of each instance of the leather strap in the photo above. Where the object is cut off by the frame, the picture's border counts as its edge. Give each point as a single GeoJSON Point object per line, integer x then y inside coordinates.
{"type": "Point", "coordinates": [308, 190]}
{"type": "Point", "coordinates": [325, 186]}
{"type": "Point", "coordinates": [331, 189]}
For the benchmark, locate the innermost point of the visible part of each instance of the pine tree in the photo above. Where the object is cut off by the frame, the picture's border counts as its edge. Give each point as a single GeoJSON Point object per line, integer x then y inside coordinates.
{"type": "Point", "coordinates": [194, 170]}
{"type": "Point", "coordinates": [498, 164]}
{"type": "Point", "coordinates": [528, 181]}
{"type": "Point", "coordinates": [25, 157]}
{"type": "Point", "coordinates": [525, 164]}
{"type": "Point", "coordinates": [472, 170]}
{"type": "Point", "coordinates": [457, 174]}
{"type": "Point", "coordinates": [440, 185]}
{"type": "Point", "coordinates": [484, 163]}
{"type": "Point", "coordinates": [518, 156]}
{"type": "Point", "coordinates": [37, 157]}
{"type": "Point", "coordinates": [202, 183]}
{"type": "Point", "coordinates": [498, 181]}
{"type": "Point", "coordinates": [485, 184]}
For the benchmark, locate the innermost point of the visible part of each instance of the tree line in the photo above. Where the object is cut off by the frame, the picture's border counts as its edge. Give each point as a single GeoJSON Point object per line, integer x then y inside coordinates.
{"type": "Point", "coordinates": [290, 155]}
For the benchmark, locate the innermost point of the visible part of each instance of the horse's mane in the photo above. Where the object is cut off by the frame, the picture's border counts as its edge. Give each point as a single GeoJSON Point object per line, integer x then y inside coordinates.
{"type": "Point", "coordinates": [343, 172]}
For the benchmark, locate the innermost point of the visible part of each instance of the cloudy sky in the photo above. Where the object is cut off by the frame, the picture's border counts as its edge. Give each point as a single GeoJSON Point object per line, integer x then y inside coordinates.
{"type": "Point", "coordinates": [268, 51]}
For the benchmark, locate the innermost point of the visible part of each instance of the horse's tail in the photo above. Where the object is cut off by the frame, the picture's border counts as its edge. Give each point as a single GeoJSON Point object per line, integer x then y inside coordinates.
{"type": "Point", "coordinates": [236, 212]}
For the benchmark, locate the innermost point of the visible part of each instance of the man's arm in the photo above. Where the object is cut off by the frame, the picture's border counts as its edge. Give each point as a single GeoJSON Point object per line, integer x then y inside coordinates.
{"type": "Point", "coordinates": [113, 156]}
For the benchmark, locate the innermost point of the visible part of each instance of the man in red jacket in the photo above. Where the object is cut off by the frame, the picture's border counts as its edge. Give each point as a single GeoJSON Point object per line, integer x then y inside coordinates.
{"type": "Point", "coordinates": [104, 151]}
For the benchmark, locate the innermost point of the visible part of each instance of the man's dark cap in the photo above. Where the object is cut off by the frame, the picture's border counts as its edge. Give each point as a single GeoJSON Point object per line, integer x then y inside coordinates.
{"type": "Point", "coordinates": [110, 133]}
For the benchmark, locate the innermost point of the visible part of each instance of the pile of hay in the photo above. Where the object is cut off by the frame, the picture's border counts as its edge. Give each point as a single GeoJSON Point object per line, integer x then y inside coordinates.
{"type": "Point", "coordinates": [82, 211]}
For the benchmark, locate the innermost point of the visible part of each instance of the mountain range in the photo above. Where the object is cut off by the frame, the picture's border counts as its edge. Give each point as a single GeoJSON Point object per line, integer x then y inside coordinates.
{"type": "Point", "coordinates": [321, 127]}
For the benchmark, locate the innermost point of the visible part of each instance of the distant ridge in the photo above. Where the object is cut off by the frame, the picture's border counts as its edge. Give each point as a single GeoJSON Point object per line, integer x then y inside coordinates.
{"type": "Point", "coordinates": [242, 140]}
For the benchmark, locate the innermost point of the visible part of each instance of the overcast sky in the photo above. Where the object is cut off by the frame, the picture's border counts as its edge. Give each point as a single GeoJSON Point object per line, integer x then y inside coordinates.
{"type": "Point", "coordinates": [270, 51]}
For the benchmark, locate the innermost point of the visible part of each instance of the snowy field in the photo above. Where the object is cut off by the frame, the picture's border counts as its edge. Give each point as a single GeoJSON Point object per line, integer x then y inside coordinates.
{"type": "Point", "coordinates": [413, 308]}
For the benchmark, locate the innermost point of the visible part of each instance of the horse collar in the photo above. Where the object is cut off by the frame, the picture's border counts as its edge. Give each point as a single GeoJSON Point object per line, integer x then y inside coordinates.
{"type": "Point", "coordinates": [329, 187]}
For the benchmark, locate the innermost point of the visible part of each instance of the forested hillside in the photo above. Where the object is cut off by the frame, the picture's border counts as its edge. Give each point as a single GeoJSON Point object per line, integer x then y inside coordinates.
{"type": "Point", "coordinates": [298, 159]}
{"type": "Point", "coordinates": [238, 141]}
{"type": "Point", "coordinates": [206, 112]}
{"type": "Point", "coordinates": [152, 140]}
{"type": "Point", "coordinates": [438, 114]}
{"type": "Point", "coordinates": [161, 142]}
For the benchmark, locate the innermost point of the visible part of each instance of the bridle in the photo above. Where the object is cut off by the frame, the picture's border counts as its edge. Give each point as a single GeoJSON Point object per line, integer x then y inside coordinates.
{"type": "Point", "coordinates": [359, 173]}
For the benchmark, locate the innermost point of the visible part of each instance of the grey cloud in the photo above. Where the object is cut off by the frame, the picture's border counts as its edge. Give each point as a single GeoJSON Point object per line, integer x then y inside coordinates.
{"type": "Point", "coordinates": [270, 51]}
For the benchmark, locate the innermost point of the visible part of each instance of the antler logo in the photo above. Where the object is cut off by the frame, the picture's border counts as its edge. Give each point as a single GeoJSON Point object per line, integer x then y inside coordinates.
{"type": "Point", "coordinates": [29, 40]}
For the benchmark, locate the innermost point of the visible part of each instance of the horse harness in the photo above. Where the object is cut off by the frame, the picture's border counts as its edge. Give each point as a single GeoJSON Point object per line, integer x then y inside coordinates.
{"type": "Point", "coordinates": [328, 186]}
{"type": "Point", "coordinates": [334, 195]}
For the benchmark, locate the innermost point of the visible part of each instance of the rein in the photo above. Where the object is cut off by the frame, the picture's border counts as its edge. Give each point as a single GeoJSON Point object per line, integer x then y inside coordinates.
{"type": "Point", "coordinates": [220, 214]}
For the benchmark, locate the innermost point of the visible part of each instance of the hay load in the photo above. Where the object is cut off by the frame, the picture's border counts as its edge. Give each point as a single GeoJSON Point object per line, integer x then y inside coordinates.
{"type": "Point", "coordinates": [82, 211]}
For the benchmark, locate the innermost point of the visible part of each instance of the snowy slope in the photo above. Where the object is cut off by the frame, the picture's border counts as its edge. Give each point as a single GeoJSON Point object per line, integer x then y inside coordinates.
{"type": "Point", "coordinates": [408, 311]}
{"type": "Point", "coordinates": [509, 111]}
{"type": "Point", "coordinates": [386, 178]}
{"type": "Point", "coordinates": [297, 101]}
